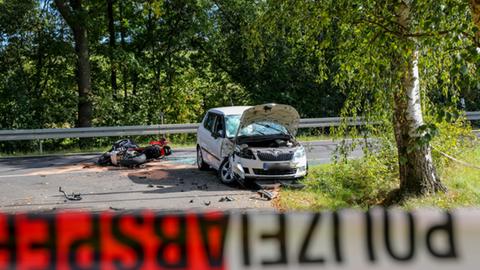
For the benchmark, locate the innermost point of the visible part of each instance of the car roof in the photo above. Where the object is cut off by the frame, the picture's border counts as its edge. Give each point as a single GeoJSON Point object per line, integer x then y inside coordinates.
{"type": "Point", "coordinates": [232, 110]}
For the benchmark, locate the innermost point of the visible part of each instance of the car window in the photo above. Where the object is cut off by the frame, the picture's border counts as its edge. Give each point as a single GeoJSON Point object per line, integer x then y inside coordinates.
{"type": "Point", "coordinates": [231, 123]}
{"type": "Point", "coordinates": [209, 121]}
{"type": "Point", "coordinates": [219, 124]}
{"type": "Point", "coordinates": [259, 128]}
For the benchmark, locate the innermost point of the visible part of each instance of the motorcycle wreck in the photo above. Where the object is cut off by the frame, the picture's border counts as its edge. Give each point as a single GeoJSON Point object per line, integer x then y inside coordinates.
{"type": "Point", "coordinates": [127, 153]}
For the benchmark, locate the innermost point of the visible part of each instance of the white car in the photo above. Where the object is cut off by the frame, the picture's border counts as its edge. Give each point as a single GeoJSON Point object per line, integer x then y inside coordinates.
{"type": "Point", "coordinates": [256, 142]}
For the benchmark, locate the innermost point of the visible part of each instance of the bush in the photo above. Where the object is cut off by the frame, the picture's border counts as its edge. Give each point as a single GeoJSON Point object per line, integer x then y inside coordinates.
{"type": "Point", "coordinates": [355, 183]}
{"type": "Point", "coordinates": [453, 139]}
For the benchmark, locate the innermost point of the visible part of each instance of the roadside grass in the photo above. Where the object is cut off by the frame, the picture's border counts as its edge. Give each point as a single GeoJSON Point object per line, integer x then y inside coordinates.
{"type": "Point", "coordinates": [366, 182]}
{"type": "Point", "coordinates": [357, 183]}
{"type": "Point", "coordinates": [463, 185]}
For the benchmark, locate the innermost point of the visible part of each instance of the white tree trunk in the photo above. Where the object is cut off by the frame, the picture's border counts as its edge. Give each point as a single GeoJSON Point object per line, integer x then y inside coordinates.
{"type": "Point", "coordinates": [417, 173]}
{"type": "Point", "coordinates": [412, 90]}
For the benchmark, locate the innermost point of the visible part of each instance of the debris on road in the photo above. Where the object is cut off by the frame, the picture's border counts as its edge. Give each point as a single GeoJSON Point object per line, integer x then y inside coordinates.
{"type": "Point", "coordinates": [150, 185]}
{"type": "Point", "coordinates": [266, 194]}
{"type": "Point", "coordinates": [207, 203]}
{"type": "Point", "coordinates": [160, 186]}
{"type": "Point", "coordinates": [116, 208]}
{"type": "Point", "coordinates": [191, 201]}
{"type": "Point", "coordinates": [71, 197]}
{"type": "Point", "coordinates": [226, 199]}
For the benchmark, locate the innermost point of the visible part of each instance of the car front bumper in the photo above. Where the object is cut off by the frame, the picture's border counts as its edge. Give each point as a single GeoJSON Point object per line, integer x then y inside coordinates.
{"type": "Point", "coordinates": [250, 168]}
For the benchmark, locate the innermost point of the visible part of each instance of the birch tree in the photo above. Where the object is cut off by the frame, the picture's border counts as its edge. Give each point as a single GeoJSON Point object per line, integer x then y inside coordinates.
{"type": "Point", "coordinates": [386, 47]}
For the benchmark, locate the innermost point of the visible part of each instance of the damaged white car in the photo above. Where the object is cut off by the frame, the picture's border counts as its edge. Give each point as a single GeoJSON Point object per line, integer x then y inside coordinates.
{"type": "Point", "coordinates": [251, 142]}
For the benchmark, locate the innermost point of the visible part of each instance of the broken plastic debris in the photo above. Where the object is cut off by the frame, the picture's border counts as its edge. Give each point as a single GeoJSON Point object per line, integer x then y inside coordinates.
{"type": "Point", "coordinates": [71, 197]}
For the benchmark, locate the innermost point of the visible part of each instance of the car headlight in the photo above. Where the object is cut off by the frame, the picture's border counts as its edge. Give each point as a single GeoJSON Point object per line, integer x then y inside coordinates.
{"type": "Point", "coordinates": [244, 152]}
{"type": "Point", "coordinates": [299, 153]}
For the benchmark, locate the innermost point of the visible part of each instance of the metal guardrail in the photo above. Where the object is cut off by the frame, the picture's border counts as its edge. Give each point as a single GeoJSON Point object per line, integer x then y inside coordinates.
{"type": "Point", "coordinates": [60, 133]}
{"type": "Point", "coordinates": [473, 115]}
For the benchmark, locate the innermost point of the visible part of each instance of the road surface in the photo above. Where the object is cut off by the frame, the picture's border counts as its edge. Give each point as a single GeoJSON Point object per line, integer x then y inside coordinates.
{"type": "Point", "coordinates": [32, 184]}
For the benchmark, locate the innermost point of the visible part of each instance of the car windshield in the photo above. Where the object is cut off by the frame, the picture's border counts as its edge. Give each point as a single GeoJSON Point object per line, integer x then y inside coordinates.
{"type": "Point", "coordinates": [258, 128]}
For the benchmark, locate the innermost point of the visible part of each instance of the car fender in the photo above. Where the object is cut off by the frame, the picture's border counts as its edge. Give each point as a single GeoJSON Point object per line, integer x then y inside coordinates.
{"type": "Point", "coordinates": [227, 148]}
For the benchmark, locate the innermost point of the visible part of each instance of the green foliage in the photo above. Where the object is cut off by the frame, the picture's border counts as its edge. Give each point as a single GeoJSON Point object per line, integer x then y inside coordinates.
{"type": "Point", "coordinates": [182, 57]}
{"type": "Point", "coordinates": [367, 181]}
{"type": "Point", "coordinates": [357, 183]}
{"type": "Point", "coordinates": [454, 139]}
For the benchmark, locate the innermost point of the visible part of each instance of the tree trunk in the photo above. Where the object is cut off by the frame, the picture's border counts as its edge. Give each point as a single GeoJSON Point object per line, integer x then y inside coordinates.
{"type": "Point", "coordinates": [475, 8]}
{"type": "Point", "coordinates": [122, 42]}
{"type": "Point", "coordinates": [417, 172]}
{"type": "Point", "coordinates": [83, 78]}
{"type": "Point", "coordinates": [74, 14]}
{"type": "Point", "coordinates": [111, 31]}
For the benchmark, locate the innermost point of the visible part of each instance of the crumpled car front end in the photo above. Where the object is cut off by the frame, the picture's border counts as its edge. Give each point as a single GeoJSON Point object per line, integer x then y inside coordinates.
{"type": "Point", "coordinates": [265, 146]}
{"type": "Point", "coordinates": [270, 163]}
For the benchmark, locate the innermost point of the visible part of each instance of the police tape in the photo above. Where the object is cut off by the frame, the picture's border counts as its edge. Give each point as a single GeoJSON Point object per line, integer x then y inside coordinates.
{"type": "Point", "coordinates": [348, 239]}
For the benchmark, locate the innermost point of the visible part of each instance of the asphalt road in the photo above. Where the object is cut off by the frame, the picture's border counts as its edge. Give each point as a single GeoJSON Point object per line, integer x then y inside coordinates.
{"type": "Point", "coordinates": [32, 184]}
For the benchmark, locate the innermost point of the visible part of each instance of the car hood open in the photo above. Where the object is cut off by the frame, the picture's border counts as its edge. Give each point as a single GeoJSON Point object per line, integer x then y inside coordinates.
{"type": "Point", "coordinates": [284, 115]}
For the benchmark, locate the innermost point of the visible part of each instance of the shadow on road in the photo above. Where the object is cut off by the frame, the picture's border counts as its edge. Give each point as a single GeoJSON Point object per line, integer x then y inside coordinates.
{"type": "Point", "coordinates": [173, 178]}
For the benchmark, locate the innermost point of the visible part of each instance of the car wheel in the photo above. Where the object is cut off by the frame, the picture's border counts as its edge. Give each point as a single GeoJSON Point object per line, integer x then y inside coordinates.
{"type": "Point", "coordinates": [225, 173]}
{"type": "Point", "coordinates": [200, 163]}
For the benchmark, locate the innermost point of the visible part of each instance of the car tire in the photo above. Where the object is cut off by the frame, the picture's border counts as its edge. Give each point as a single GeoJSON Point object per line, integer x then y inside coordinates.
{"type": "Point", "coordinates": [202, 166]}
{"type": "Point", "coordinates": [225, 173]}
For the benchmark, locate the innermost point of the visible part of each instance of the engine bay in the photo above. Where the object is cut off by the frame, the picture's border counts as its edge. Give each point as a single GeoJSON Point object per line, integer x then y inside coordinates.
{"type": "Point", "coordinates": [267, 142]}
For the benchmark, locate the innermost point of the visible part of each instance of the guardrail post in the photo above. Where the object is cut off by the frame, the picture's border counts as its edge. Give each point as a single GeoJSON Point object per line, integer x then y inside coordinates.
{"type": "Point", "coordinates": [162, 115]}
{"type": "Point", "coordinates": [40, 144]}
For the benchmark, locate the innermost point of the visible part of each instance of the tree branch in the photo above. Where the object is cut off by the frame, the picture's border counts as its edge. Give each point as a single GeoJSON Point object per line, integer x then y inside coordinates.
{"type": "Point", "coordinates": [416, 34]}
{"type": "Point", "coordinates": [429, 34]}
{"type": "Point", "coordinates": [65, 11]}
{"type": "Point", "coordinates": [384, 27]}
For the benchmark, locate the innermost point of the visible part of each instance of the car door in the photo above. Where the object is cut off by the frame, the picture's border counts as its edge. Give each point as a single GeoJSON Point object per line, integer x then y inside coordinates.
{"type": "Point", "coordinates": [204, 136]}
{"type": "Point", "coordinates": [217, 138]}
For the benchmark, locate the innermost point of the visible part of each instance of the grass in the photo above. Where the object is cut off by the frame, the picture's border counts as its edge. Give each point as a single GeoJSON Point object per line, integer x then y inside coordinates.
{"type": "Point", "coordinates": [366, 182]}
{"type": "Point", "coordinates": [463, 185]}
